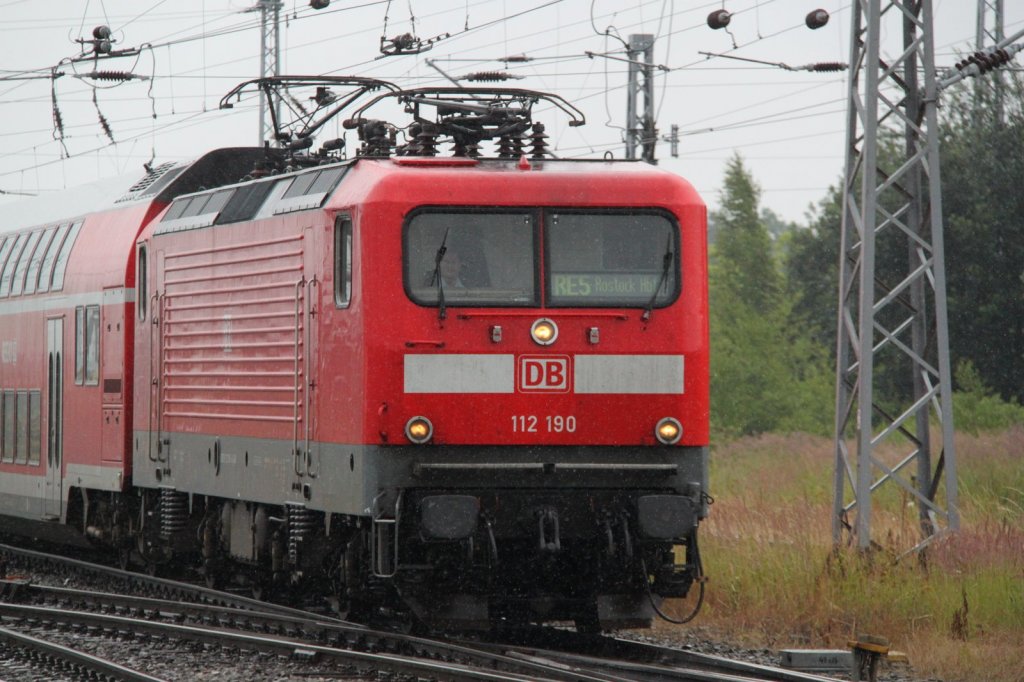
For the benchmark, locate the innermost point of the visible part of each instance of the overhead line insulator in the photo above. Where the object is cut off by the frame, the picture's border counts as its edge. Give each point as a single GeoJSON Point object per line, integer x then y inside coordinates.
{"type": "Point", "coordinates": [112, 76]}
{"type": "Point", "coordinates": [490, 76]}
{"type": "Point", "coordinates": [986, 61]}
{"type": "Point", "coordinates": [827, 66]}
{"type": "Point", "coordinates": [816, 19]}
{"type": "Point", "coordinates": [719, 19]}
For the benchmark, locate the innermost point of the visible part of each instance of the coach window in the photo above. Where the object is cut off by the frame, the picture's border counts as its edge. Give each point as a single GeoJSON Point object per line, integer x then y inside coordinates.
{"type": "Point", "coordinates": [79, 345]}
{"type": "Point", "coordinates": [62, 258]}
{"type": "Point", "coordinates": [92, 345]}
{"type": "Point", "coordinates": [87, 345]}
{"type": "Point", "coordinates": [46, 270]}
{"type": "Point", "coordinates": [21, 444]}
{"type": "Point", "coordinates": [9, 424]}
{"type": "Point", "coordinates": [343, 261]}
{"type": "Point", "coordinates": [18, 283]}
{"type": "Point", "coordinates": [34, 427]}
{"type": "Point", "coordinates": [32, 278]}
{"type": "Point", "coordinates": [141, 296]}
{"type": "Point", "coordinates": [12, 263]}
{"type": "Point", "coordinates": [6, 244]}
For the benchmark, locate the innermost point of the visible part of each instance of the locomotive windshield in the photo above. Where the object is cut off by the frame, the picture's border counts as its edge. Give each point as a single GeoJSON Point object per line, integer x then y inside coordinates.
{"type": "Point", "coordinates": [471, 259]}
{"type": "Point", "coordinates": [606, 259]}
{"type": "Point", "coordinates": [611, 260]}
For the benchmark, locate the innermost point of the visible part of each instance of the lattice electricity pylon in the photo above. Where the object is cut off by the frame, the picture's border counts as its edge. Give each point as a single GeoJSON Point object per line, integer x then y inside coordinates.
{"type": "Point", "coordinates": [893, 317]}
{"type": "Point", "coordinates": [989, 32]}
{"type": "Point", "coordinates": [640, 129]}
{"type": "Point", "coordinates": [990, 23]}
{"type": "Point", "coordinates": [270, 58]}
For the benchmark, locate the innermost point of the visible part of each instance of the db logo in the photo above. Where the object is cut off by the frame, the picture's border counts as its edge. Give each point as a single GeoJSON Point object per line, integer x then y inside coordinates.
{"type": "Point", "coordinates": [544, 373]}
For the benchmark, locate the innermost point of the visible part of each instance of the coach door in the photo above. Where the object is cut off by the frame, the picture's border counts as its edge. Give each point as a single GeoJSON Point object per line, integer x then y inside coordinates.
{"type": "Point", "coordinates": [54, 416]}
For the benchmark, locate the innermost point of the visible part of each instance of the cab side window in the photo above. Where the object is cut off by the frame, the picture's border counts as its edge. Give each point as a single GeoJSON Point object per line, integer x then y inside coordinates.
{"type": "Point", "coordinates": [343, 261]}
{"type": "Point", "coordinates": [141, 275]}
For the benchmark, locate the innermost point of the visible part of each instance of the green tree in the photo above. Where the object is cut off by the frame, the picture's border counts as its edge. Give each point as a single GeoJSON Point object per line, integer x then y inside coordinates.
{"type": "Point", "coordinates": [977, 408]}
{"type": "Point", "coordinates": [811, 272]}
{"type": "Point", "coordinates": [744, 247]}
{"type": "Point", "coordinates": [765, 374]}
{"type": "Point", "coordinates": [983, 206]}
{"type": "Point", "coordinates": [982, 171]}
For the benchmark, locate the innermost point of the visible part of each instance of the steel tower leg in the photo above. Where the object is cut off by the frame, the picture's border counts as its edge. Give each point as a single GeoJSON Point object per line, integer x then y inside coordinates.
{"type": "Point", "coordinates": [894, 317]}
{"type": "Point", "coordinates": [640, 127]}
{"type": "Point", "coordinates": [270, 59]}
{"type": "Point", "coordinates": [989, 32]}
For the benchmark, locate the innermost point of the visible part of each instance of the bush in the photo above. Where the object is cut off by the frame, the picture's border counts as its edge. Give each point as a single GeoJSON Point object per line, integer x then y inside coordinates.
{"type": "Point", "coordinates": [977, 408]}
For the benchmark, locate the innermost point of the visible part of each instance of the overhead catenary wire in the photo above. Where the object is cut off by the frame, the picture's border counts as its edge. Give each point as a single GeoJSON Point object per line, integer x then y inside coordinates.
{"type": "Point", "coordinates": [542, 40]}
{"type": "Point", "coordinates": [506, 17]}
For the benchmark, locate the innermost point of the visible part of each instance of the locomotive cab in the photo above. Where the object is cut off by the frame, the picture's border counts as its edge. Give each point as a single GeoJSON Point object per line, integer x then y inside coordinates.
{"type": "Point", "coordinates": [536, 382]}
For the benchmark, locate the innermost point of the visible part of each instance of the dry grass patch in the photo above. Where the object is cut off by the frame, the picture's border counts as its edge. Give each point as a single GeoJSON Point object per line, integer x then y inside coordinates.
{"type": "Point", "coordinates": [776, 581]}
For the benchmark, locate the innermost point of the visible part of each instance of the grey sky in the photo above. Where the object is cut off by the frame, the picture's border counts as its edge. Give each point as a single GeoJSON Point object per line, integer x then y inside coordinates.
{"type": "Point", "coordinates": [789, 126]}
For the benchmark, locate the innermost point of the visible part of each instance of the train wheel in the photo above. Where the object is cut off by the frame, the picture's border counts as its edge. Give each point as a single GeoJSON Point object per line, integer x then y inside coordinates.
{"type": "Point", "coordinates": [587, 625]}
{"type": "Point", "coordinates": [586, 621]}
{"type": "Point", "coordinates": [352, 610]}
{"type": "Point", "coordinates": [259, 586]}
{"type": "Point", "coordinates": [213, 576]}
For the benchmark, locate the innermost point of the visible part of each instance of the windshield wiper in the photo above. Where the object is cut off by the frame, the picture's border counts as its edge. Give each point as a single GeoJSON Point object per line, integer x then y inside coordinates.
{"type": "Point", "coordinates": [436, 277]}
{"type": "Point", "coordinates": [666, 263]}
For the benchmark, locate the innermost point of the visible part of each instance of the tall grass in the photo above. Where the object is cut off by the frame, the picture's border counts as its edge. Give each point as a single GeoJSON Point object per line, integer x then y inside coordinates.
{"type": "Point", "coordinates": [777, 581]}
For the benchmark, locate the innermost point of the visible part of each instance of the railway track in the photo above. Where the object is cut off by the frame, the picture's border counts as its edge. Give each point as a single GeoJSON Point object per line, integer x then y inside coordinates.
{"type": "Point", "coordinates": [640, 660]}
{"type": "Point", "coordinates": [205, 619]}
{"type": "Point", "coordinates": [37, 658]}
{"type": "Point", "coordinates": [211, 618]}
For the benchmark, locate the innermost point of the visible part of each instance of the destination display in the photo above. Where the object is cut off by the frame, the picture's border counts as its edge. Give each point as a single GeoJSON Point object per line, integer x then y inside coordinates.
{"type": "Point", "coordinates": [626, 286]}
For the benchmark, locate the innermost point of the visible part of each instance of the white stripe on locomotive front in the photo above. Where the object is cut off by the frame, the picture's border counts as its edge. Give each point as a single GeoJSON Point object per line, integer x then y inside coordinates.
{"type": "Point", "coordinates": [460, 373]}
{"type": "Point", "coordinates": [643, 374]}
{"type": "Point", "coordinates": [495, 373]}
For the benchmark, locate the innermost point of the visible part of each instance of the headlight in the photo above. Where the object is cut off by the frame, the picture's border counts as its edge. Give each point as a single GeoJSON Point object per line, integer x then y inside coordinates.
{"type": "Point", "coordinates": [544, 331]}
{"type": "Point", "coordinates": [668, 431]}
{"type": "Point", "coordinates": [419, 429]}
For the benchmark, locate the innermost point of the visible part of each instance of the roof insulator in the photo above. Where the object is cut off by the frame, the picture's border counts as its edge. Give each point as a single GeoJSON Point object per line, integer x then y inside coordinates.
{"type": "Point", "coordinates": [113, 76]}
{"type": "Point", "coordinates": [490, 76]}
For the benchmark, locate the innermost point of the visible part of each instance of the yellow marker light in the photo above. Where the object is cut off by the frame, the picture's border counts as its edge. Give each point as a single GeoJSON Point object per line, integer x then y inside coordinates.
{"type": "Point", "coordinates": [668, 431]}
{"type": "Point", "coordinates": [544, 331]}
{"type": "Point", "coordinates": [419, 429]}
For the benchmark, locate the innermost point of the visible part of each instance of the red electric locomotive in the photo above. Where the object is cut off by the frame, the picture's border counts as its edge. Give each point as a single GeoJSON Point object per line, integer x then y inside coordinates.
{"type": "Point", "coordinates": [473, 388]}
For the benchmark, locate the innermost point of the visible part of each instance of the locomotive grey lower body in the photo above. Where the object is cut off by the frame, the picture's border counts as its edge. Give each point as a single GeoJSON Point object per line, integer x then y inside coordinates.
{"type": "Point", "coordinates": [463, 537]}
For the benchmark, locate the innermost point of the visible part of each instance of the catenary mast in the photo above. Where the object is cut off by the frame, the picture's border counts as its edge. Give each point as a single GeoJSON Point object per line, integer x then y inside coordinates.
{"type": "Point", "coordinates": [892, 204]}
